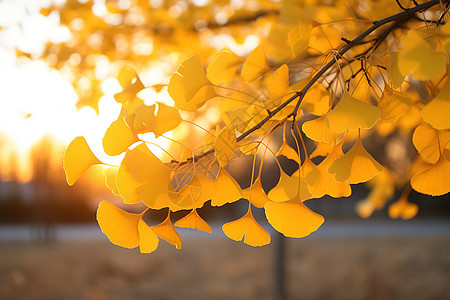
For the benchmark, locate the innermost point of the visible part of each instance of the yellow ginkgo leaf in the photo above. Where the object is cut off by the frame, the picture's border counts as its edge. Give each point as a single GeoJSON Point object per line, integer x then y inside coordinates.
{"type": "Point", "coordinates": [223, 67]}
{"type": "Point", "coordinates": [435, 180]}
{"type": "Point", "coordinates": [226, 189]}
{"type": "Point", "coordinates": [393, 105]}
{"type": "Point", "coordinates": [403, 209]}
{"type": "Point", "coordinates": [430, 143]}
{"type": "Point", "coordinates": [288, 151]}
{"type": "Point", "coordinates": [318, 130]}
{"type": "Point", "coordinates": [321, 183]}
{"type": "Point", "coordinates": [395, 75]}
{"type": "Point", "coordinates": [167, 118]}
{"type": "Point", "coordinates": [120, 227]}
{"type": "Point", "coordinates": [278, 85]}
{"type": "Point", "coordinates": [110, 179]}
{"type": "Point", "coordinates": [248, 229]}
{"type": "Point", "coordinates": [299, 39]}
{"type": "Point", "coordinates": [131, 84]}
{"type": "Point", "coordinates": [166, 231]}
{"type": "Point", "coordinates": [143, 116]}
{"type": "Point", "coordinates": [189, 87]}
{"type": "Point", "coordinates": [190, 195]}
{"type": "Point", "coordinates": [316, 100]}
{"type": "Point", "coordinates": [194, 221]}
{"type": "Point", "coordinates": [126, 184]}
{"type": "Point", "coordinates": [78, 157]}
{"type": "Point", "coordinates": [255, 65]}
{"type": "Point", "coordinates": [256, 194]}
{"type": "Point", "coordinates": [436, 112]}
{"type": "Point", "coordinates": [150, 172]}
{"type": "Point", "coordinates": [351, 114]}
{"type": "Point", "coordinates": [292, 218]}
{"type": "Point", "coordinates": [225, 145]}
{"type": "Point", "coordinates": [144, 165]}
{"type": "Point", "coordinates": [288, 188]}
{"type": "Point", "coordinates": [420, 58]}
{"type": "Point", "coordinates": [356, 166]}
{"type": "Point", "coordinates": [118, 137]}
{"type": "Point", "coordinates": [148, 241]}
{"type": "Point", "coordinates": [322, 149]}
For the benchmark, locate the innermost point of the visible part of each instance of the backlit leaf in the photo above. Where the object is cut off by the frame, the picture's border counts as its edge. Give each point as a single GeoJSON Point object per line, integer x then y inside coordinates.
{"type": "Point", "coordinates": [292, 218]}
{"type": "Point", "coordinates": [223, 67]}
{"type": "Point", "coordinates": [189, 87]}
{"type": "Point", "coordinates": [194, 221]}
{"type": "Point", "coordinates": [248, 229]}
{"type": "Point", "coordinates": [78, 157]}
{"type": "Point", "coordinates": [351, 114]}
{"type": "Point", "coordinates": [166, 231]}
{"type": "Point", "coordinates": [436, 112]}
{"type": "Point", "coordinates": [120, 227]}
{"type": "Point", "coordinates": [356, 166]}
{"type": "Point", "coordinates": [118, 137]}
{"type": "Point", "coordinates": [148, 240]}
{"type": "Point", "coordinates": [226, 189]}
{"type": "Point", "coordinates": [255, 65]}
{"type": "Point", "coordinates": [435, 180]}
{"type": "Point", "coordinates": [430, 143]}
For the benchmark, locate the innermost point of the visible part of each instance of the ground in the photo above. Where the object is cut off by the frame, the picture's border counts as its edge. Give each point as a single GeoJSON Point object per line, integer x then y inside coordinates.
{"type": "Point", "coordinates": [327, 266]}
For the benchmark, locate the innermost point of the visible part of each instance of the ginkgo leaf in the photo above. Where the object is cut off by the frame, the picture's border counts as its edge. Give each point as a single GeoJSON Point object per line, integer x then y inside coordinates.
{"type": "Point", "coordinates": [120, 227]}
{"type": "Point", "coordinates": [255, 65]}
{"type": "Point", "coordinates": [288, 188]}
{"type": "Point", "coordinates": [188, 86]}
{"type": "Point", "coordinates": [403, 209]}
{"type": "Point", "coordinates": [435, 180]}
{"type": "Point", "coordinates": [278, 85]}
{"type": "Point", "coordinates": [420, 58]}
{"type": "Point", "coordinates": [318, 130]}
{"type": "Point", "coordinates": [288, 151]}
{"type": "Point", "coordinates": [256, 194]}
{"type": "Point", "coordinates": [292, 218]}
{"type": "Point", "coordinates": [167, 118]}
{"type": "Point", "coordinates": [393, 105]}
{"type": "Point", "coordinates": [223, 67]}
{"type": "Point", "coordinates": [78, 157]}
{"type": "Point", "coordinates": [143, 116]}
{"type": "Point", "coordinates": [152, 174]}
{"type": "Point", "coordinates": [322, 149]}
{"type": "Point", "coordinates": [395, 75]}
{"type": "Point", "coordinates": [148, 241]}
{"type": "Point", "coordinates": [225, 145]}
{"type": "Point", "coordinates": [190, 195]}
{"type": "Point", "coordinates": [316, 100]}
{"type": "Point", "coordinates": [299, 39]}
{"type": "Point", "coordinates": [430, 143]}
{"type": "Point", "coordinates": [321, 183]}
{"type": "Point", "coordinates": [351, 114]}
{"type": "Point", "coordinates": [436, 112]}
{"type": "Point", "coordinates": [248, 229]}
{"type": "Point", "coordinates": [166, 231]}
{"type": "Point", "coordinates": [126, 184]}
{"type": "Point", "coordinates": [144, 165]}
{"type": "Point", "coordinates": [130, 82]}
{"type": "Point", "coordinates": [356, 166]}
{"type": "Point", "coordinates": [226, 189]}
{"type": "Point", "coordinates": [118, 137]}
{"type": "Point", "coordinates": [110, 179]}
{"type": "Point", "coordinates": [194, 221]}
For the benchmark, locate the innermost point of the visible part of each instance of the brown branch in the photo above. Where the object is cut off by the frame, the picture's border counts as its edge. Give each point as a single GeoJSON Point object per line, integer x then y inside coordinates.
{"type": "Point", "coordinates": [398, 19]}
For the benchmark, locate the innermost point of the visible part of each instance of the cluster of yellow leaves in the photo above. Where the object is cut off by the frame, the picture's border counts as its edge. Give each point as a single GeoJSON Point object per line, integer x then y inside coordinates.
{"type": "Point", "coordinates": [339, 108]}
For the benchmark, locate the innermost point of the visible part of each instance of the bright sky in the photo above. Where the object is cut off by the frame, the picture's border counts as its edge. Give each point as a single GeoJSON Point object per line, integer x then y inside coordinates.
{"type": "Point", "coordinates": [34, 99]}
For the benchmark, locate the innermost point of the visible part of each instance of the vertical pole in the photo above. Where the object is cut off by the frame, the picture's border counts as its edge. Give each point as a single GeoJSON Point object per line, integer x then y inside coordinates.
{"type": "Point", "coordinates": [279, 268]}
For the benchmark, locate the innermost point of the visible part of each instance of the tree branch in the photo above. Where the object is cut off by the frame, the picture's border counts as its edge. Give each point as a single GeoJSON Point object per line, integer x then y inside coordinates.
{"type": "Point", "coordinates": [398, 19]}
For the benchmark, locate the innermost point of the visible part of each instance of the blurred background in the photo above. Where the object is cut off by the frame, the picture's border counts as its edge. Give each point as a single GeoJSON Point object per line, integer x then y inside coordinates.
{"type": "Point", "coordinates": [50, 244]}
